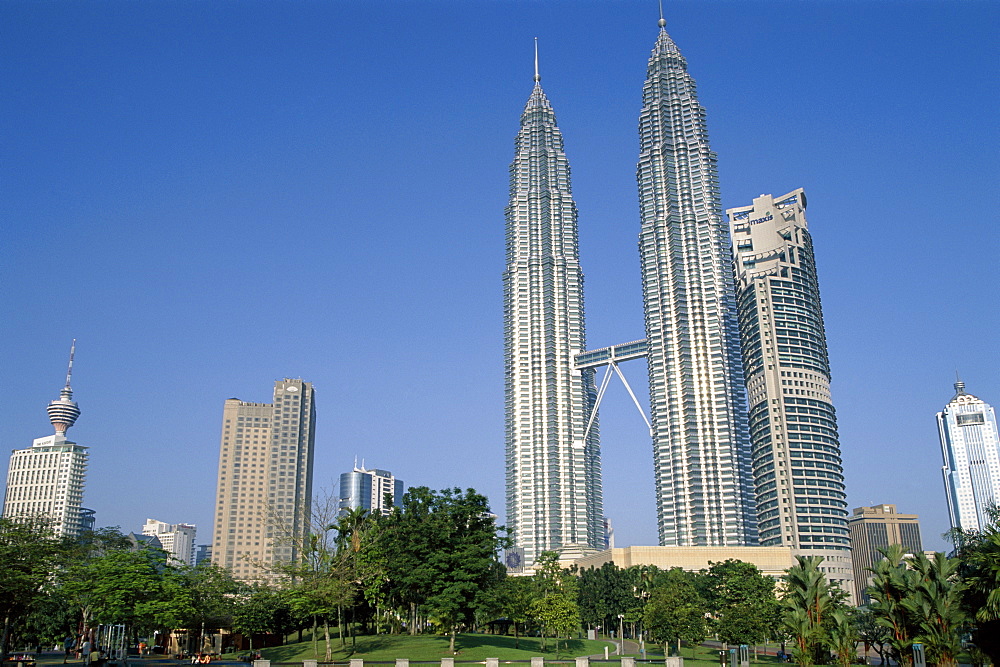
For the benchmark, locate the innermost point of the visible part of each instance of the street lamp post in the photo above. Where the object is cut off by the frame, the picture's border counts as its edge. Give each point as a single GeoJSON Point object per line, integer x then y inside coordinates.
{"type": "Point", "coordinates": [621, 634]}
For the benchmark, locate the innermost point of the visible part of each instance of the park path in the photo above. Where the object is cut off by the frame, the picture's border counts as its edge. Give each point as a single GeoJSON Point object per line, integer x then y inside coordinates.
{"type": "Point", "coordinates": [630, 647]}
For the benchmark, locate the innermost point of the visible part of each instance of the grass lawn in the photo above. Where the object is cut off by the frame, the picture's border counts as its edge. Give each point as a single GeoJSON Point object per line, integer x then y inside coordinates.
{"type": "Point", "coordinates": [434, 647]}
{"type": "Point", "coordinates": [703, 656]}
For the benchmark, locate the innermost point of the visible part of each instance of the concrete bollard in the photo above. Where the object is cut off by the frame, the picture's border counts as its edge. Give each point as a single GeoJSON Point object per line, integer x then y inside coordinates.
{"type": "Point", "coordinates": [675, 661]}
{"type": "Point", "coordinates": [492, 662]}
{"type": "Point", "coordinates": [538, 662]}
{"type": "Point", "coordinates": [310, 663]}
{"type": "Point", "coordinates": [400, 662]}
{"type": "Point", "coordinates": [447, 662]}
{"type": "Point", "coordinates": [583, 662]}
{"type": "Point", "coordinates": [357, 662]}
{"type": "Point", "coordinates": [628, 661]}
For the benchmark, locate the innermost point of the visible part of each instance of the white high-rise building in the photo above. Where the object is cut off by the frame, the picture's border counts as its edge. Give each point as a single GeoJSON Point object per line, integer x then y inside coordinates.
{"type": "Point", "coordinates": [46, 480]}
{"type": "Point", "coordinates": [553, 472]}
{"type": "Point", "coordinates": [177, 539]}
{"type": "Point", "coordinates": [967, 428]}
{"type": "Point", "coordinates": [797, 471]}
{"type": "Point", "coordinates": [701, 445]}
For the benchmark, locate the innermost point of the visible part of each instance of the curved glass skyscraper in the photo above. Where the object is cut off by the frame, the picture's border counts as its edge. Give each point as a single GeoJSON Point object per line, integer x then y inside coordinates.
{"type": "Point", "coordinates": [700, 443]}
{"type": "Point", "coordinates": [797, 470]}
{"type": "Point", "coordinates": [553, 472]}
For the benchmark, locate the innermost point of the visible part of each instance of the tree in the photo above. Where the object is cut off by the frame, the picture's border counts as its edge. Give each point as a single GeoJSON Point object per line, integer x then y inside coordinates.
{"type": "Point", "coordinates": [262, 610]}
{"type": "Point", "coordinates": [321, 581]}
{"type": "Point", "coordinates": [609, 591]}
{"type": "Point", "coordinates": [871, 632]}
{"type": "Point", "coordinates": [29, 554]}
{"type": "Point", "coordinates": [807, 601]}
{"type": "Point", "coordinates": [919, 599]}
{"type": "Point", "coordinates": [512, 598]}
{"type": "Point", "coordinates": [555, 606]}
{"type": "Point", "coordinates": [212, 589]}
{"type": "Point", "coordinates": [935, 605]}
{"type": "Point", "coordinates": [742, 600]}
{"type": "Point", "coordinates": [558, 614]}
{"type": "Point", "coordinates": [138, 588]}
{"type": "Point", "coordinates": [978, 553]}
{"type": "Point", "coordinates": [465, 559]}
{"type": "Point", "coordinates": [441, 549]}
{"type": "Point", "coordinates": [675, 611]}
{"type": "Point", "coordinates": [843, 636]}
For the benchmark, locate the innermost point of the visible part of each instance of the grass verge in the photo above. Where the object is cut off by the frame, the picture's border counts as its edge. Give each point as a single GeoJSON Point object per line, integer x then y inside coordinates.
{"type": "Point", "coordinates": [434, 647]}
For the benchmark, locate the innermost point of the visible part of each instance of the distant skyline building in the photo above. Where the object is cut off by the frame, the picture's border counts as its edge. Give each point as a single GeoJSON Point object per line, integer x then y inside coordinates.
{"type": "Point", "coordinates": [47, 479]}
{"type": "Point", "coordinates": [553, 471]}
{"type": "Point", "coordinates": [967, 429]}
{"type": "Point", "coordinates": [264, 493]}
{"type": "Point", "coordinates": [797, 470]}
{"type": "Point", "coordinates": [368, 489]}
{"type": "Point", "coordinates": [88, 519]}
{"type": "Point", "coordinates": [874, 528]}
{"type": "Point", "coordinates": [202, 553]}
{"type": "Point", "coordinates": [701, 451]}
{"type": "Point", "coordinates": [177, 538]}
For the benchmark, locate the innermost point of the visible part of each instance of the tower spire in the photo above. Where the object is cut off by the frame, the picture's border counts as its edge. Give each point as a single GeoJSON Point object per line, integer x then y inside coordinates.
{"type": "Point", "coordinates": [63, 412]}
{"type": "Point", "coordinates": [662, 22]}
{"type": "Point", "coordinates": [537, 77]}
{"type": "Point", "coordinates": [959, 385]}
{"type": "Point", "coordinates": [69, 370]}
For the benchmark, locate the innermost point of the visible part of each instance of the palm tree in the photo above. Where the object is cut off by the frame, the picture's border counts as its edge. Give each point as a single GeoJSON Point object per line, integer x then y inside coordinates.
{"type": "Point", "coordinates": [979, 555]}
{"type": "Point", "coordinates": [350, 527]}
{"type": "Point", "coordinates": [807, 602]}
{"type": "Point", "coordinates": [935, 605]}
{"type": "Point", "coordinates": [843, 637]}
{"type": "Point", "coordinates": [890, 586]}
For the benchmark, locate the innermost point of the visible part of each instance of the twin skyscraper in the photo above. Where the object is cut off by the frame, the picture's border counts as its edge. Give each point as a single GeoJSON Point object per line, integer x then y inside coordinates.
{"type": "Point", "coordinates": [726, 473]}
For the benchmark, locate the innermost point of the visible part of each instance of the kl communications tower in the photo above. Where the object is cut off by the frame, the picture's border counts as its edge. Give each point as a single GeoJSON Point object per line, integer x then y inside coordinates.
{"type": "Point", "coordinates": [45, 481]}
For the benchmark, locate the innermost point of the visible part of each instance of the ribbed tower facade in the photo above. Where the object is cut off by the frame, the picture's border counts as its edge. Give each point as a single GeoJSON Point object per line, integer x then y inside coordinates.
{"type": "Point", "coordinates": [697, 398]}
{"type": "Point", "coordinates": [45, 481]}
{"type": "Point", "coordinates": [970, 447]}
{"type": "Point", "coordinates": [553, 473]}
{"type": "Point", "coordinates": [797, 469]}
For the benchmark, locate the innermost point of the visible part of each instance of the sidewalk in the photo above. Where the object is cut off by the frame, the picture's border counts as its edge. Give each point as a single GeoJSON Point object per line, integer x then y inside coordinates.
{"type": "Point", "coordinates": [48, 658]}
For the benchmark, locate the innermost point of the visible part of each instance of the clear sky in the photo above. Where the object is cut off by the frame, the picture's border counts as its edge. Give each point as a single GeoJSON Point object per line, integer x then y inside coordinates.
{"type": "Point", "coordinates": [214, 195]}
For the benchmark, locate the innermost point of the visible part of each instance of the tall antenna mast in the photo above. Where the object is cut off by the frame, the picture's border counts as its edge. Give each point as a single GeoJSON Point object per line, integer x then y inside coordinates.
{"type": "Point", "coordinates": [64, 411]}
{"type": "Point", "coordinates": [537, 77]}
{"type": "Point", "coordinates": [69, 371]}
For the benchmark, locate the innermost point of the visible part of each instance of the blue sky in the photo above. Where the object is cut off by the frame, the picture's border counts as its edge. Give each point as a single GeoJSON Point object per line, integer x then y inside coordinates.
{"type": "Point", "coordinates": [214, 195]}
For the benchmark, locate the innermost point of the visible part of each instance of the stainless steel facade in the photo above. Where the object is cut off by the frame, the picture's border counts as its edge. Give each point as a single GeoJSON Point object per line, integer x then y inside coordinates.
{"type": "Point", "coordinates": [701, 449]}
{"type": "Point", "coordinates": [553, 473]}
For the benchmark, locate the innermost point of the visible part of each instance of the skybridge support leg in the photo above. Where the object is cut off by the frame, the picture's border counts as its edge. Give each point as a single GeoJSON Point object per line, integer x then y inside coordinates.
{"type": "Point", "coordinates": [613, 370]}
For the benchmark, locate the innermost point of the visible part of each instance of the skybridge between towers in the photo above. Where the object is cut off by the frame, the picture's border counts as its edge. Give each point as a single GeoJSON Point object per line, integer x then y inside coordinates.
{"type": "Point", "coordinates": [611, 357]}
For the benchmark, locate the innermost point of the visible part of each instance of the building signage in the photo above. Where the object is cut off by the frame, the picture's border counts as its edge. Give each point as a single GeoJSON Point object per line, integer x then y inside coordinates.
{"type": "Point", "coordinates": [764, 219]}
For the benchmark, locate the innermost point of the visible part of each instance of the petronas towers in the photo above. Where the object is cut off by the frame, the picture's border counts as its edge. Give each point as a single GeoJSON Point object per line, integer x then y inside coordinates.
{"type": "Point", "coordinates": [697, 397]}
{"type": "Point", "coordinates": [701, 446]}
{"type": "Point", "coordinates": [553, 469]}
